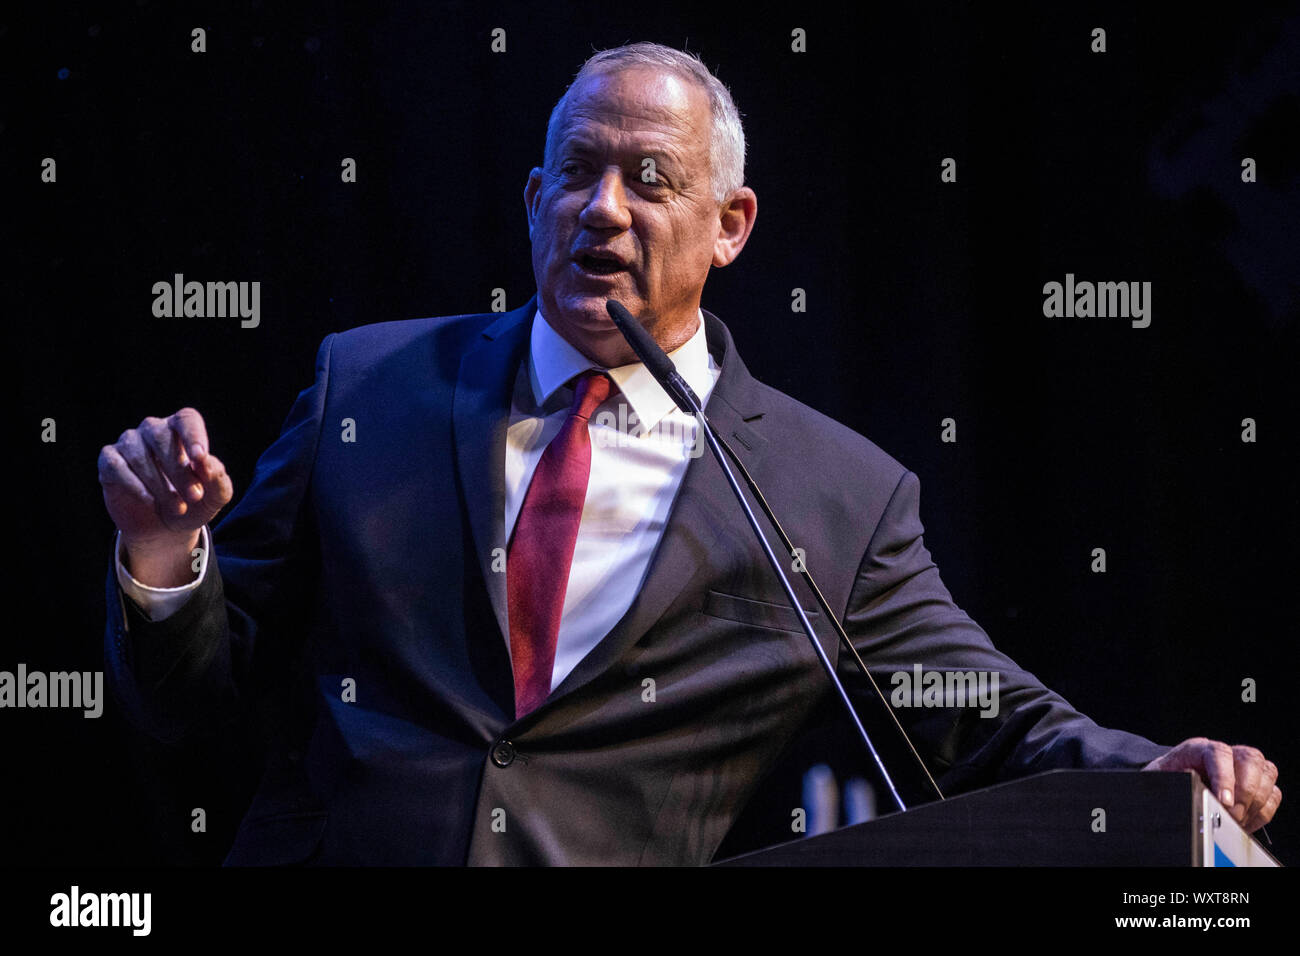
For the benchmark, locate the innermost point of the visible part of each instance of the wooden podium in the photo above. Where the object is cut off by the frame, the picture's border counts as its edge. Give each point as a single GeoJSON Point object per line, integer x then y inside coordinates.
{"type": "Point", "coordinates": [1060, 818]}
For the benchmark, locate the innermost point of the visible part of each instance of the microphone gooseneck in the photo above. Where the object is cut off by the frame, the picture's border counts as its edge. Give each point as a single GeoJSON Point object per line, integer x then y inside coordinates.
{"type": "Point", "coordinates": [665, 372]}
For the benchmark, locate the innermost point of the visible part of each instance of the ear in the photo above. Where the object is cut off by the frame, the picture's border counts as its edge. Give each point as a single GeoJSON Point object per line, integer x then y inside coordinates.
{"type": "Point", "coordinates": [735, 222]}
{"type": "Point", "coordinates": [532, 192]}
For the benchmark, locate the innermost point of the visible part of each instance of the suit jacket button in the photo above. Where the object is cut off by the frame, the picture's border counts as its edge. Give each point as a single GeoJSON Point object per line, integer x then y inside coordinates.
{"type": "Point", "coordinates": [503, 753]}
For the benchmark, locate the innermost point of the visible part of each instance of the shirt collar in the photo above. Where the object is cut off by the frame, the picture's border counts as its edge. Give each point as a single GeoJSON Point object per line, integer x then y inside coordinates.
{"type": "Point", "coordinates": [554, 362]}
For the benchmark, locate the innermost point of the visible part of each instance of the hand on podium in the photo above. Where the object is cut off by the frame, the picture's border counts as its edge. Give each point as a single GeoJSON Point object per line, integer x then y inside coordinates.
{"type": "Point", "coordinates": [1241, 777]}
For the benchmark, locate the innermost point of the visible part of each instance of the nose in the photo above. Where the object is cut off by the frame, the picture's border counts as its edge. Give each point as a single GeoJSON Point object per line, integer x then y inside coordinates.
{"type": "Point", "coordinates": [607, 206]}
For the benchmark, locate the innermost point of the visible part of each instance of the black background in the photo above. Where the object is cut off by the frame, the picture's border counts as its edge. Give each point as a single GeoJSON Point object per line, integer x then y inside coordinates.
{"type": "Point", "coordinates": [924, 302]}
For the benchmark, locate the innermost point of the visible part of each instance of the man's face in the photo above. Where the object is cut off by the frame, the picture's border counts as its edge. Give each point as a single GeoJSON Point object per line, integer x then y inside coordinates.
{"type": "Point", "coordinates": [599, 230]}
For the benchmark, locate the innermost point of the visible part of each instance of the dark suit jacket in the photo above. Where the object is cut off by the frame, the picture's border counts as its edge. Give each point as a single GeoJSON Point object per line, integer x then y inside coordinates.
{"type": "Point", "coordinates": [372, 561]}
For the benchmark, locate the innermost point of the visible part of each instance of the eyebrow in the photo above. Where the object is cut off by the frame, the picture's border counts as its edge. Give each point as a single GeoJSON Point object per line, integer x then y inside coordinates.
{"type": "Point", "coordinates": [586, 147]}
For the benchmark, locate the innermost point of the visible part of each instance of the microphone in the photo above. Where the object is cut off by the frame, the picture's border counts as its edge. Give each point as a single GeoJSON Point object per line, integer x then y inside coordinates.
{"type": "Point", "coordinates": [654, 358]}
{"type": "Point", "coordinates": [665, 372]}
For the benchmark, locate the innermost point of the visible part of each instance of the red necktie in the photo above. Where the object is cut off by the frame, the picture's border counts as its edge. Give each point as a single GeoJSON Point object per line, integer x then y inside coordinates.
{"type": "Point", "coordinates": [541, 549]}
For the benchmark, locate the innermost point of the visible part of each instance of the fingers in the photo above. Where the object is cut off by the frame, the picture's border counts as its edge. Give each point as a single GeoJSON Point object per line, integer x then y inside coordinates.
{"type": "Point", "coordinates": [1251, 791]}
{"type": "Point", "coordinates": [114, 470]}
{"type": "Point", "coordinates": [187, 424]}
{"type": "Point", "coordinates": [134, 450]}
{"type": "Point", "coordinates": [217, 487]}
{"type": "Point", "coordinates": [191, 434]}
{"type": "Point", "coordinates": [165, 445]}
{"type": "Point", "coordinates": [178, 445]}
{"type": "Point", "coordinates": [1241, 778]}
{"type": "Point", "coordinates": [1219, 770]}
{"type": "Point", "coordinates": [160, 480]}
{"type": "Point", "coordinates": [1266, 812]}
{"type": "Point", "coordinates": [1265, 795]}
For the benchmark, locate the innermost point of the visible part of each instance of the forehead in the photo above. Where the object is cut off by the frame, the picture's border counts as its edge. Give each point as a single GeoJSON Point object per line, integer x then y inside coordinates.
{"type": "Point", "coordinates": [637, 105]}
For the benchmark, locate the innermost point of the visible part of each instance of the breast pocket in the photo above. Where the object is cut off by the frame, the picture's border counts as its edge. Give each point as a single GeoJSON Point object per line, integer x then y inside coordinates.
{"type": "Point", "coordinates": [743, 610]}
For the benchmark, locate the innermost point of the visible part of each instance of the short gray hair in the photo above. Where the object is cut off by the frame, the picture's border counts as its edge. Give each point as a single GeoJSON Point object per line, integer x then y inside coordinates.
{"type": "Point", "coordinates": [727, 136]}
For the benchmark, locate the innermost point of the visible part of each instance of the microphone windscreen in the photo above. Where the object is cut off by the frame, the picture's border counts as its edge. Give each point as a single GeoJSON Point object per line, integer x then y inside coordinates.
{"type": "Point", "coordinates": [645, 347]}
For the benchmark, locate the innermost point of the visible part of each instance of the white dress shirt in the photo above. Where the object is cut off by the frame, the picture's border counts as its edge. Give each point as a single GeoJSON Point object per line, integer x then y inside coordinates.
{"type": "Point", "coordinates": [641, 443]}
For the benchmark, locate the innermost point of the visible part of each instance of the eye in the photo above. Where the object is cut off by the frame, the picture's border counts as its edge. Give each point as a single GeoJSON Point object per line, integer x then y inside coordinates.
{"type": "Point", "coordinates": [658, 189]}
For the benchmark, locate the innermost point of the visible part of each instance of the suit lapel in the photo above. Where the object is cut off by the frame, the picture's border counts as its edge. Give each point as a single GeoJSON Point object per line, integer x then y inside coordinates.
{"type": "Point", "coordinates": [480, 418]}
{"type": "Point", "coordinates": [703, 507]}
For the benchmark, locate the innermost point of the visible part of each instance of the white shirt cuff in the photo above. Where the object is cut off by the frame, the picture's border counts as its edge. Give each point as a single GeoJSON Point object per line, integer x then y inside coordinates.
{"type": "Point", "coordinates": [158, 604]}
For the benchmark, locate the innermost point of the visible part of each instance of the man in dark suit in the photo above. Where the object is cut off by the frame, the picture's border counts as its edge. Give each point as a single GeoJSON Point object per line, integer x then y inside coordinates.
{"type": "Point", "coordinates": [494, 605]}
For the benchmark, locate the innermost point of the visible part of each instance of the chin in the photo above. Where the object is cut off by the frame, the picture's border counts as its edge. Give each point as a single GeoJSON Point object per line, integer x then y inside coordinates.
{"type": "Point", "coordinates": [589, 329]}
{"type": "Point", "coordinates": [585, 311]}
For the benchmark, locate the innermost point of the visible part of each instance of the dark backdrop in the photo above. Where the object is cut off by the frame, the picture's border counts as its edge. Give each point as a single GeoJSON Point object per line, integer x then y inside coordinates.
{"type": "Point", "coordinates": [924, 302]}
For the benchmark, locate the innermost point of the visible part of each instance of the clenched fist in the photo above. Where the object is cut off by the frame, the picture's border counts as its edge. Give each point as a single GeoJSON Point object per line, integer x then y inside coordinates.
{"type": "Point", "coordinates": [161, 486]}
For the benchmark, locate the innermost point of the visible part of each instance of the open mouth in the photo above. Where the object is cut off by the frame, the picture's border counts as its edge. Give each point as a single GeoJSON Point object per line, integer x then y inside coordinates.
{"type": "Point", "coordinates": [599, 265]}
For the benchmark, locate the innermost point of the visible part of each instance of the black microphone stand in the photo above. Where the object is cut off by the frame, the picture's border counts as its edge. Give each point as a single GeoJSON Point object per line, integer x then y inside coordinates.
{"type": "Point", "coordinates": [662, 368]}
